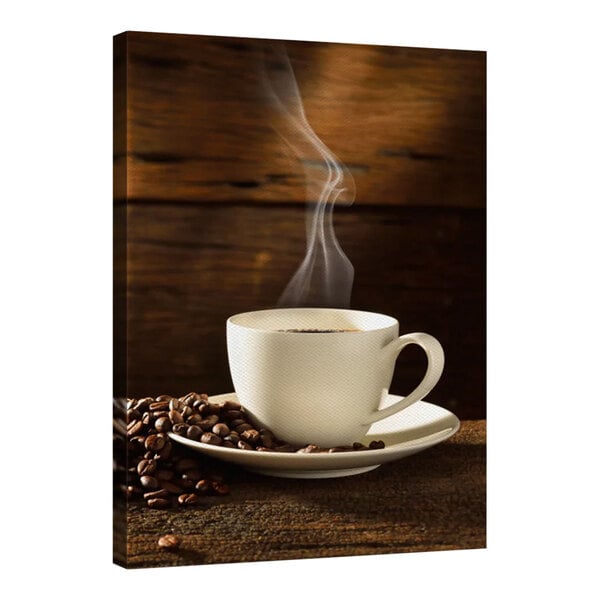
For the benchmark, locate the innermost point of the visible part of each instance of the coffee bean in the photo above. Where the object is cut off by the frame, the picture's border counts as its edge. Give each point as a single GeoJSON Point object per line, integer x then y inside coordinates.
{"type": "Point", "coordinates": [192, 475]}
{"type": "Point", "coordinates": [159, 405]}
{"type": "Point", "coordinates": [146, 467]}
{"type": "Point", "coordinates": [187, 499]}
{"type": "Point", "coordinates": [149, 482]}
{"type": "Point", "coordinates": [212, 408]}
{"type": "Point", "coordinates": [244, 445]}
{"type": "Point", "coordinates": [209, 422]}
{"type": "Point", "coordinates": [169, 542]}
{"type": "Point", "coordinates": [155, 442]}
{"type": "Point", "coordinates": [359, 446]}
{"type": "Point", "coordinates": [231, 405]}
{"type": "Point", "coordinates": [243, 427]}
{"type": "Point", "coordinates": [148, 419]}
{"type": "Point", "coordinates": [237, 422]}
{"type": "Point", "coordinates": [175, 404]}
{"type": "Point", "coordinates": [161, 493]}
{"type": "Point", "coordinates": [221, 429]}
{"type": "Point", "coordinates": [340, 449]}
{"type": "Point", "coordinates": [189, 400]}
{"type": "Point", "coordinates": [194, 432]}
{"type": "Point", "coordinates": [228, 444]}
{"type": "Point", "coordinates": [310, 449]}
{"type": "Point", "coordinates": [194, 420]}
{"type": "Point", "coordinates": [134, 428]}
{"type": "Point", "coordinates": [230, 415]}
{"type": "Point", "coordinates": [264, 449]}
{"type": "Point", "coordinates": [175, 417]}
{"type": "Point", "coordinates": [250, 435]}
{"type": "Point", "coordinates": [266, 440]}
{"type": "Point", "coordinates": [164, 398]}
{"type": "Point", "coordinates": [185, 412]}
{"type": "Point", "coordinates": [198, 397]}
{"type": "Point", "coordinates": [143, 404]}
{"type": "Point", "coordinates": [158, 503]}
{"type": "Point", "coordinates": [376, 445]}
{"type": "Point", "coordinates": [204, 486]}
{"type": "Point", "coordinates": [211, 438]}
{"type": "Point", "coordinates": [220, 488]}
{"type": "Point", "coordinates": [164, 452]}
{"type": "Point", "coordinates": [233, 437]}
{"type": "Point", "coordinates": [133, 415]}
{"type": "Point", "coordinates": [180, 429]}
{"type": "Point", "coordinates": [136, 444]}
{"type": "Point", "coordinates": [162, 424]}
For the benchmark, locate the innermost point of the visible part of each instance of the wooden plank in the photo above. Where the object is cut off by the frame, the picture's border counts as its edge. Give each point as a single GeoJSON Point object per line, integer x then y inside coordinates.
{"type": "Point", "coordinates": [431, 501]}
{"type": "Point", "coordinates": [190, 266]}
{"type": "Point", "coordinates": [408, 122]}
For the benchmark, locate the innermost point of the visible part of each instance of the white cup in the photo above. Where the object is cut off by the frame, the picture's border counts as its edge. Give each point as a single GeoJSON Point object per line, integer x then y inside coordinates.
{"type": "Point", "coordinates": [321, 388]}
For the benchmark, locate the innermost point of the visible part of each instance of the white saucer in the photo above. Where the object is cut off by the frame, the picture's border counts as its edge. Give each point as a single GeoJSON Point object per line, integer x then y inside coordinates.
{"type": "Point", "coordinates": [413, 429]}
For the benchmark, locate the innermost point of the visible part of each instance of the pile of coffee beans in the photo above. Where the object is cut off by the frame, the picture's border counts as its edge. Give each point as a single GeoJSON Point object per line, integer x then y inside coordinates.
{"type": "Point", "coordinates": [228, 425]}
{"type": "Point", "coordinates": [164, 476]}
{"type": "Point", "coordinates": [158, 470]}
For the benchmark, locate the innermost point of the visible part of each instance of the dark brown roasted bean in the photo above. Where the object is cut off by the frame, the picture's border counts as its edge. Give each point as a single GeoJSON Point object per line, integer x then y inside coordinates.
{"type": "Point", "coordinates": [209, 422]}
{"type": "Point", "coordinates": [175, 404]}
{"type": "Point", "coordinates": [250, 435]}
{"type": "Point", "coordinates": [203, 486]}
{"type": "Point", "coordinates": [169, 541]}
{"type": "Point", "coordinates": [220, 488]}
{"type": "Point", "coordinates": [221, 429]}
{"type": "Point", "coordinates": [175, 417]}
{"type": "Point", "coordinates": [146, 467]}
{"type": "Point", "coordinates": [194, 432]}
{"type": "Point", "coordinates": [161, 493]}
{"type": "Point", "coordinates": [155, 442]}
{"type": "Point", "coordinates": [180, 428]}
{"type": "Point", "coordinates": [376, 445]}
{"type": "Point", "coordinates": [149, 482]}
{"type": "Point", "coordinates": [310, 449]}
{"type": "Point", "coordinates": [162, 424]}
{"type": "Point", "coordinates": [187, 499]}
{"type": "Point", "coordinates": [158, 503]}
{"type": "Point", "coordinates": [211, 438]}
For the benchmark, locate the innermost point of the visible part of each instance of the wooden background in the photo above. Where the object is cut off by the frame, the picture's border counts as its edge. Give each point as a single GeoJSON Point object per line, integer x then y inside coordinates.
{"type": "Point", "coordinates": [209, 203]}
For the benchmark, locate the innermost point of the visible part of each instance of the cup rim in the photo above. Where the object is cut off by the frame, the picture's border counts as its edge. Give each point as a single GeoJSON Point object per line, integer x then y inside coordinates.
{"type": "Point", "coordinates": [387, 320]}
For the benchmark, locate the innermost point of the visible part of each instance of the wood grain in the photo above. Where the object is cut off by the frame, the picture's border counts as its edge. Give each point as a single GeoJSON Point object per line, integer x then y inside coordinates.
{"type": "Point", "coordinates": [409, 123]}
{"type": "Point", "coordinates": [434, 500]}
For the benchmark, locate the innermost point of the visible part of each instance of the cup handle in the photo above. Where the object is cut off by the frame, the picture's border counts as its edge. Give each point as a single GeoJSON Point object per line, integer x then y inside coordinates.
{"type": "Point", "coordinates": [435, 366]}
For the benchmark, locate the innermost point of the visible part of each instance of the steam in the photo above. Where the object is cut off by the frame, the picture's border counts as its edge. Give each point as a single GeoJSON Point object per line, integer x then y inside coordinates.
{"type": "Point", "coordinates": [325, 276]}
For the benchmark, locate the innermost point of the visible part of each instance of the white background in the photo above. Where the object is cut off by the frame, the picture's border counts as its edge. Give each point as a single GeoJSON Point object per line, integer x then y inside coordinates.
{"type": "Point", "coordinates": [56, 250]}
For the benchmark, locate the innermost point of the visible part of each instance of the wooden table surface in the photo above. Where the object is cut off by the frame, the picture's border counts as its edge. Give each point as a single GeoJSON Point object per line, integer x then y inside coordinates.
{"type": "Point", "coordinates": [434, 500]}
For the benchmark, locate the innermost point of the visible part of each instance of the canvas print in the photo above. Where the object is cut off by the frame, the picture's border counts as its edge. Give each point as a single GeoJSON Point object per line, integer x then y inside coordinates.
{"type": "Point", "coordinates": [299, 299]}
